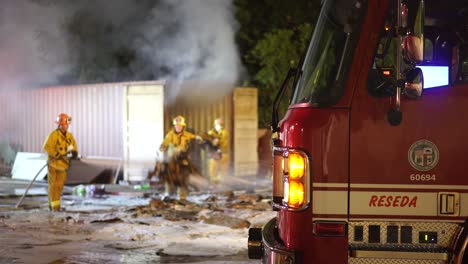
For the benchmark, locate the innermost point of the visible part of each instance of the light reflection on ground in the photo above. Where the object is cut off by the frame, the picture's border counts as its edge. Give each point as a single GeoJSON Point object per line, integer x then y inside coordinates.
{"type": "Point", "coordinates": [209, 228]}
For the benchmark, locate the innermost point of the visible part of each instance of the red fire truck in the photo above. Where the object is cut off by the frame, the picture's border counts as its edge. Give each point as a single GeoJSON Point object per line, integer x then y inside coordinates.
{"type": "Point", "coordinates": [369, 162]}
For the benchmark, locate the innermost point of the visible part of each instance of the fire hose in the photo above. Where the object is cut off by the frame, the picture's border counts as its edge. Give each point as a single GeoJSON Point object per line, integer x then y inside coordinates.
{"type": "Point", "coordinates": [34, 179]}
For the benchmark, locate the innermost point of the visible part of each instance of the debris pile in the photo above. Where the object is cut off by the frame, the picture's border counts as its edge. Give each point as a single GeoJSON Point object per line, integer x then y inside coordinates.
{"type": "Point", "coordinates": [140, 223]}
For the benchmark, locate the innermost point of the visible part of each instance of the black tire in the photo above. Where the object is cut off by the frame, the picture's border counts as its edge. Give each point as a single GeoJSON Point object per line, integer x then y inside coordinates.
{"type": "Point", "coordinates": [255, 246]}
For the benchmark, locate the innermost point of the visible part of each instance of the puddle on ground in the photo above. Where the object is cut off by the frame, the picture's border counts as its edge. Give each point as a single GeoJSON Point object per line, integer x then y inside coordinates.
{"type": "Point", "coordinates": [138, 228]}
{"type": "Point", "coordinates": [149, 256]}
{"type": "Point", "coordinates": [54, 239]}
{"type": "Point", "coordinates": [31, 191]}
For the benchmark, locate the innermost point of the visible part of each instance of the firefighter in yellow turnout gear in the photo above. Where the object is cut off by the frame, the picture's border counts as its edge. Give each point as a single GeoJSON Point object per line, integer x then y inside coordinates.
{"type": "Point", "coordinates": [218, 164]}
{"type": "Point", "coordinates": [58, 144]}
{"type": "Point", "coordinates": [176, 146]}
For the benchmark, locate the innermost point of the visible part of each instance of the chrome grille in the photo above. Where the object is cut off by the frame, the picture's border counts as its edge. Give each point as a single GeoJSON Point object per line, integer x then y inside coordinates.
{"type": "Point", "coordinates": [445, 234]}
{"type": "Point", "coordinates": [363, 252]}
{"type": "Point", "coordinates": [392, 261]}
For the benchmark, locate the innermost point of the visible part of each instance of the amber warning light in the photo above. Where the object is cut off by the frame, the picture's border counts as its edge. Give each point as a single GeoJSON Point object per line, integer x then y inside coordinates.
{"type": "Point", "coordinates": [387, 72]}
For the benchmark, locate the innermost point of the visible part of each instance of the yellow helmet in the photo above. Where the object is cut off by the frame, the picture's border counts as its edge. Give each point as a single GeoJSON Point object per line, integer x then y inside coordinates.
{"type": "Point", "coordinates": [179, 120]}
{"type": "Point", "coordinates": [218, 121]}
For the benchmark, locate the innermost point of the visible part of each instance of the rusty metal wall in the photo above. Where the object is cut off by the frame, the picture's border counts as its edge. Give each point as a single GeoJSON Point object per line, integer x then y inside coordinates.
{"type": "Point", "coordinates": [98, 111]}
{"type": "Point", "coordinates": [200, 117]}
{"type": "Point", "coordinates": [239, 112]}
{"type": "Point", "coordinates": [28, 115]}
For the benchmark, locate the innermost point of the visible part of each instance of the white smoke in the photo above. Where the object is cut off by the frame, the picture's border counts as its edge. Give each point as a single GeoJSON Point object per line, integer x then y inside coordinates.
{"type": "Point", "coordinates": [189, 43]}
{"type": "Point", "coordinates": [26, 61]}
{"type": "Point", "coordinates": [51, 42]}
{"type": "Point", "coordinates": [193, 40]}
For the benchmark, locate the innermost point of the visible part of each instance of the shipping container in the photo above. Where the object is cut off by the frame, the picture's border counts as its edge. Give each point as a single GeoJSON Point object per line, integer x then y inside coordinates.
{"type": "Point", "coordinates": [106, 120]}
{"type": "Point", "coordinates": [124, 123]}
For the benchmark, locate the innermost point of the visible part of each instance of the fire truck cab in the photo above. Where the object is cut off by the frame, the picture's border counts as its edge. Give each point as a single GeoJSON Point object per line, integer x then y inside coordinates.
{"type": "Point", "coordinates": [370, 159]}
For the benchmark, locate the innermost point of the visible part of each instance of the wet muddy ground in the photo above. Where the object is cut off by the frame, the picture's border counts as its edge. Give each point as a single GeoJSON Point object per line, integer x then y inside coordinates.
{"type": "Point", "coordinates": [124, 225]}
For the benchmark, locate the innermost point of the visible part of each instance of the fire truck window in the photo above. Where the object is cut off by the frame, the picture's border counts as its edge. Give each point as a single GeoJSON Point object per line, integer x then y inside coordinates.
{"type": "Point", "coordinates": [428, 50]}
{"type": "Point", "coordinates": [320, 75]}
{"type": "Point", "coordinates": [386, 53]}
{"type": "Point", "coordinates": [464, 75]}
{"type": "Point", "coordinates": [379, 81]}
{"type": "Point", "coordinates": [329, 54]}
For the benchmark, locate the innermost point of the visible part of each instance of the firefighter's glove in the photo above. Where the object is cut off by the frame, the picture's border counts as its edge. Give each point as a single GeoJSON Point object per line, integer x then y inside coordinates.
{"type": "Point", "coordinates": [74, 154]}
{"type": "Point", "coordinates": [198, 138]}
{"type": "Point", "coordinates": [215, 141]}
{"type": "Point", "coordinates": [216, 155]}
{"type": "Point", "coordinates": [70, 148]}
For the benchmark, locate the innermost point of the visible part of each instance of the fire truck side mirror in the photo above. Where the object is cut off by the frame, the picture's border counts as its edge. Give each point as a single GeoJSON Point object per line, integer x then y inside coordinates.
{"type": "Point", "coordinates": [411, 30]}
{"type": "Point", "coordinates": [412, 48]}
{"type": "Point", "coordinates": [414, 84]}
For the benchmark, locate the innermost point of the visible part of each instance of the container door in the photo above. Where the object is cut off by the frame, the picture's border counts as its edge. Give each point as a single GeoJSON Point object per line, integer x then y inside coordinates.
{"type": "Point", "coordinates": [144, 133]}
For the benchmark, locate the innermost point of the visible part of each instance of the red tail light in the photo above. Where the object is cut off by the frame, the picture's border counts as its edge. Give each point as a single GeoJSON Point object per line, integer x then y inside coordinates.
{"type": "Point", "coordinates": [329, 228]}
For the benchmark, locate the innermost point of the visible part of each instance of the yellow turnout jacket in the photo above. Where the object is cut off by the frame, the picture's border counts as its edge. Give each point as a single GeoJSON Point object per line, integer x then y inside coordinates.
{"type": "Point", "coordinates": [181, 141]}
{"type": "Point", "coordinates": [56, 146]}
{"type": "Point", "coordinates": [223, 137]}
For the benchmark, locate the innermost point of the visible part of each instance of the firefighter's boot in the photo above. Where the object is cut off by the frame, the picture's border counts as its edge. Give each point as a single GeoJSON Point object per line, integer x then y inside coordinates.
{"type": "Point", "coordinates": [183, 193]}
{"type": "Point", "coordinates": [169, 189]}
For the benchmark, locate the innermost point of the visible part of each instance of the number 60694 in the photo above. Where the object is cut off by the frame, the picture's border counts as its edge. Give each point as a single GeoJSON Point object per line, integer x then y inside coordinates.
{"type": "Point", "coordinates": [422, 177]}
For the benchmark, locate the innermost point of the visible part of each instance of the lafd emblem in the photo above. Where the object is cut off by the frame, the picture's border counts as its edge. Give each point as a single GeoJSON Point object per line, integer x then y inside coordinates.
{"type": "Point", "coordinates": [423, 155]}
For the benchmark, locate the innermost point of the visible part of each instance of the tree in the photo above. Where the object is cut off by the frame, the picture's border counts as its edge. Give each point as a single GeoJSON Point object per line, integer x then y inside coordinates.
{"type": "Point", "coordinates": [273, 36]}
{"type": "Point", "coordinates": [276, 53]}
